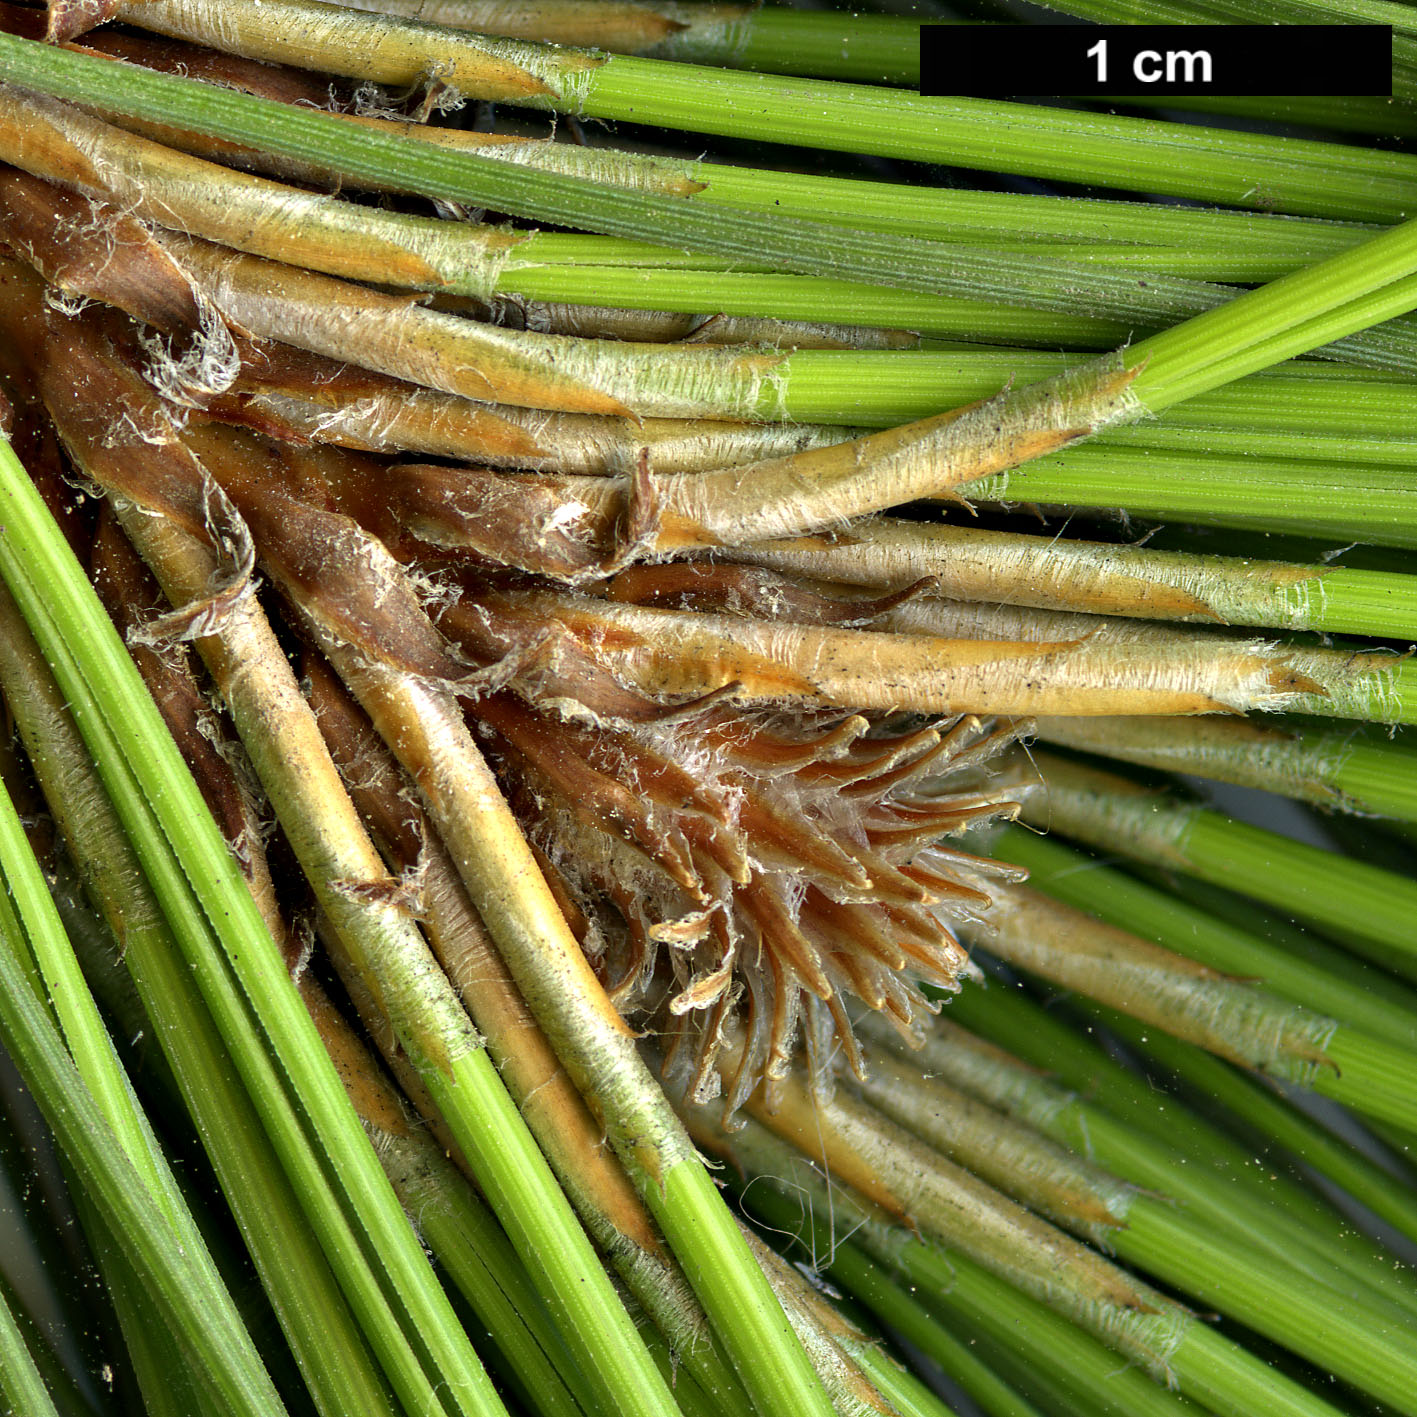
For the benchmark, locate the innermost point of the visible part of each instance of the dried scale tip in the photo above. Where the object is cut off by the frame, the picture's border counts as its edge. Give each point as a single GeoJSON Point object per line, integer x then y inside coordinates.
{"type": "Point", "coordinates": [739, 876]}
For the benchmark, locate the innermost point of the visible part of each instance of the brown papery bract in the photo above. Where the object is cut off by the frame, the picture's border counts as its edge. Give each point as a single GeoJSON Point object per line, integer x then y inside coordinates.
{"type": "Point", "coordinates": [144, 179]}
{"type": "Point", "coordinates": [80, 253]}
{"type": "Point", "coordinates": [361, 46]}
{"type": "Point", "coordinates": [297, 396]}
{"type": "Point", "coordinates": [628, 28]}
{"type": "Point", "coordinates": [1228, 1017]}
{"type": "Point", "coordinates": [802, 491]}
{"type": "Point", "coordinates": [1045, 571]}
{"type": "Point", "coordinates": [681, 655]}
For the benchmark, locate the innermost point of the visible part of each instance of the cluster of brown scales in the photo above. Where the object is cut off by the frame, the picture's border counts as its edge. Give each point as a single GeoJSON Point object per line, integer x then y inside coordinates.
{"type": "Point", "coordinates": [730, 870]}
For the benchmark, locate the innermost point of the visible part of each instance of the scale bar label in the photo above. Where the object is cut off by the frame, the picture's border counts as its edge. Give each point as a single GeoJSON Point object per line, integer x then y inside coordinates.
{"type": "Point", "coordinates": [1094, 61]}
